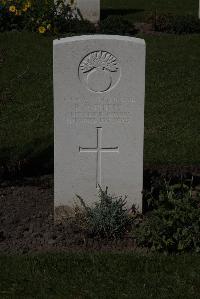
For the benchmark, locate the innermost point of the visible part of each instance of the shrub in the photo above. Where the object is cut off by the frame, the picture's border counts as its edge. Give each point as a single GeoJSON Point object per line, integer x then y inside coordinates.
{"type": "Point", "coordinates": [68, 19]}
{"type": "Point", "coordinates": [45, 17]}
{"type": "Point", "coordinates": [108, 219]}
{"type": "Point", "coordinates": [74, 26]}
{"type": "Point", "coordinates": [116, 25]}
{"type": "Point", "coordinates": [174, 223]}
{"type": "Point", "coordinates": [42, 16]}
{"type": "Point", "coordinates": [176, 24]}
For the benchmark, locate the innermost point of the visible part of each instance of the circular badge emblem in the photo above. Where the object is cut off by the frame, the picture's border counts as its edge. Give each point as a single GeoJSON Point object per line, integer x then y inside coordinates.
{"type": "Point", "coordinates": [99, 71]}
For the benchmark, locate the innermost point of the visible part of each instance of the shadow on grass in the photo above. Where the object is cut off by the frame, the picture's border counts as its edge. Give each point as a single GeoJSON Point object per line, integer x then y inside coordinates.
{"type": "Point", "coordinates": [118, 12]}
{"type": "Point", "coordinates": [36, 160]}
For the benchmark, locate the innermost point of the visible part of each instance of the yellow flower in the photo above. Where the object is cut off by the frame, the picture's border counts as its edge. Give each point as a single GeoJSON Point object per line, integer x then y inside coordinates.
{"type": "Point", "coordinates": [41, 29]}
{"type": "Point", "coordinates": [12, 8]}
{"type": "Point", "coordinates": [25, 8]}
{"type": "Point", "coordinates": [28, 4]}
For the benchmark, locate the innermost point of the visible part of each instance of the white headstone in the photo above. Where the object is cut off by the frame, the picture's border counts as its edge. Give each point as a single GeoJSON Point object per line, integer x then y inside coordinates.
{"type": "Point", "coordinates": [199, 9]}
{"type": "Point", "coordinates": [99, 85]}
{"type": "Point", "coordinates": [89, 9]}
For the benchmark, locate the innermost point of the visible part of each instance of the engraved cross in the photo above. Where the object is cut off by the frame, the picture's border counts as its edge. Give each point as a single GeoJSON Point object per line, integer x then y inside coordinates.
{"type": "Point", "coordinates": [98, 150]}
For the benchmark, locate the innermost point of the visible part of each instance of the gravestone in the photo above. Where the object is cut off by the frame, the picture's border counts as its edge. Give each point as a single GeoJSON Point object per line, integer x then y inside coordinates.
{"type": "Point", "coordinates": [88, 9]}
{"type": "Point", "coordinates": [99, 84]}
{"type": "Point", "coordinates": [199, 9]}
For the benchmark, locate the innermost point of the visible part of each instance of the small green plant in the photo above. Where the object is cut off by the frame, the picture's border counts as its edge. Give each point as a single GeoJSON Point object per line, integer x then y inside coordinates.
{"type": "Point", "coordinates": [108, 219]}
{"type": "Point", "coordinates": [174, 223]}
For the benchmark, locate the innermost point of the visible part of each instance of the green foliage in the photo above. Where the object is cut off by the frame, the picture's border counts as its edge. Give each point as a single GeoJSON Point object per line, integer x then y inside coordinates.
{"type": "Point", "coordinates": [117, 25]}
{"type": "Point", "coordinates": [12, 14]}
{"type": "Point", "coordinates": [74, 26]}
{"type": "Point", "coordinates": [176, 24]}
{"type": "Point", "coordinates": [174, 223]}
{"type": "Point", "coordinates": [108, 219]}
{"type": "Point", "coordinates": [43, 16]}
{"type": "Point", "coordinates": [68, 19]}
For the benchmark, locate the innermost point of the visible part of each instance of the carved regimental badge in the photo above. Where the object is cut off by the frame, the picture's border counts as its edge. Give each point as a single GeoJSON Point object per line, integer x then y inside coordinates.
{"type": "Point", "coordinates": [99, 71]}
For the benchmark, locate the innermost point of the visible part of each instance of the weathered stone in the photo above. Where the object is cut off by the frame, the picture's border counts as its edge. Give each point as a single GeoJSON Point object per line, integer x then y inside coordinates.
{"type": "Point", "coordinates": [87, 9]}
{"type": "Point", "coordinates": [99, 84]}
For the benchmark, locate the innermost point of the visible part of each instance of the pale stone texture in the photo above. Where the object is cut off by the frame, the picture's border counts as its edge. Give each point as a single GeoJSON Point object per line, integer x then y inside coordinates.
{"type": "Point", "coordinates": [99, 86]}
{"type": "Point", "coordinates": [89, 9]}
{"type": "Point", "coordinates": [199, 9]}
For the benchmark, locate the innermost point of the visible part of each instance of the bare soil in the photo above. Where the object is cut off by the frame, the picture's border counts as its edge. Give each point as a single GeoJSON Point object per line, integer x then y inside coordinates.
{"type": "Point", "coordinates": [26, 216]}
{"type": "Point", "coordinates": [26, 221]}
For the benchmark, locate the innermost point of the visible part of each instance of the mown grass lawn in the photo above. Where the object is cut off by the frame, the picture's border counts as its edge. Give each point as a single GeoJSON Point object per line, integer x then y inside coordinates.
{"type": "Point", "coordinates": [26, 127]}
{"type": "Point", "coordinates": [99, 275]}
{"type": "Point", "coordinates": [172, 100]}
{"type": "Point", "coordinates": [171, 109]}
{"type": "Point", "coordinates": [140, 9]}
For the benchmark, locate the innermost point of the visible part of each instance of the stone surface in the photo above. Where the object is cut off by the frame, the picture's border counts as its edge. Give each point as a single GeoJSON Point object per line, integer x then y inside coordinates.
{"type": "Point", "coordinates": [99, 84]}
{"type": "Point", "coordinates": [199, 9]}
{"type": "Point", "coordinates": [89, 9]}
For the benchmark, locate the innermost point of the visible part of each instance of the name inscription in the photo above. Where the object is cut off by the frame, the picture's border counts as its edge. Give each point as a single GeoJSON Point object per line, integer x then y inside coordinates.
{"type": "Point", "coordinates": [101, 111]}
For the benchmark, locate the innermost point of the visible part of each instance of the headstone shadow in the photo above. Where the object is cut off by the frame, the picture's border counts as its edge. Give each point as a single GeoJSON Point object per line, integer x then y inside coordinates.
{"type": "Point", "coordinates": [36, 160]}
{"type": "Point", "coordinates": [118, 12]}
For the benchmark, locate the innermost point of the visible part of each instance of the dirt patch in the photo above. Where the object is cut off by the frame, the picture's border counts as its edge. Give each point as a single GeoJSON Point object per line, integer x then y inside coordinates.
{"type": "Point", "coordinates": [26, 221]}
{"type": "Point", "coordinates": [26, 217]}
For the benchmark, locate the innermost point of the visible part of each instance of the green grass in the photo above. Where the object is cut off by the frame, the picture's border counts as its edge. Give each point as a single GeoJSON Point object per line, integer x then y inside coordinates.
{"type": "Point", "coordinates": [138, 9]}
{"type": "Point", "coordinates": [26, 128]}
{"type": "Point", "coordinates": [172, 100]}
{"type": "Point", "coordinates": [171, 109]}
{"type": "Point", "coordinates": [99, 275]}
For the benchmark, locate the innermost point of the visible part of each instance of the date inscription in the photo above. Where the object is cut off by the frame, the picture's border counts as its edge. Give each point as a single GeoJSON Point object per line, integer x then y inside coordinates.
{"type": "Point", "coordinates": [115, 110]}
